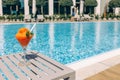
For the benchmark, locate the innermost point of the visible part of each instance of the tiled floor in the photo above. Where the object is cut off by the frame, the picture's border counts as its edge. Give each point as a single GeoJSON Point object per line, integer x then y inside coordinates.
{"type": "Point", "coordinates": [109, 74]}
{"type": "Point", "coordinates": [96, 68]}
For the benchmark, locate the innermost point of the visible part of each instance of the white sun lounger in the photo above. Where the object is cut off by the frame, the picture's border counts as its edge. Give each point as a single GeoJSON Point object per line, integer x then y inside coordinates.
{"type": "Point", "coordinates": [40, 18]}
{"type": "Point", "coordinates": [87, 17]}
{"type": "Point", "coordinates": [27, 18]}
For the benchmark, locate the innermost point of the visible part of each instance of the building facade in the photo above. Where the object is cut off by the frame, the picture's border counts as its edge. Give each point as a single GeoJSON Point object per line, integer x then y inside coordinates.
{"type": "Point", "coordinates": [52, 7]}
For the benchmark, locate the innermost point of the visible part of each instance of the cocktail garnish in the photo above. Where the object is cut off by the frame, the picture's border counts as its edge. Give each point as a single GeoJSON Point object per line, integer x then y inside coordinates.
{"type": "Point", "coordinates": [27, 33]}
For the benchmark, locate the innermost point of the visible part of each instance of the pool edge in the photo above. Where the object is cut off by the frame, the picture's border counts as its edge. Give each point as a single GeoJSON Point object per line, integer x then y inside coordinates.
{"type": "Point", "coordinates": [93, 65]}
{"type": "Point", "coordinates": [95, 59]}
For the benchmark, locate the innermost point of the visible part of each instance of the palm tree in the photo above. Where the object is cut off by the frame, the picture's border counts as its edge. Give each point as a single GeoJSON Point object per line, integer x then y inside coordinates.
{"type": "Point", "coordinates": [40, 3]}
{"type": "Point", "coordinates": [30, 3]}
{"type": "Point", "coordinates": [91, 4]}
{"type": "Point", "coordinates": [65, 4]}
{"type": "Point", "coordinates": [11, 3]}
{"type": "Point", "coordinates": [4, 3]}
{"type": "Point", "coordinates": [114, 3]}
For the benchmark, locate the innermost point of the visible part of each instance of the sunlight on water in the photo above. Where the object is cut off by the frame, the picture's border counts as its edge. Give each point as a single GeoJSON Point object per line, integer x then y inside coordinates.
{"type": "Point", "coordinates": [64, 42]}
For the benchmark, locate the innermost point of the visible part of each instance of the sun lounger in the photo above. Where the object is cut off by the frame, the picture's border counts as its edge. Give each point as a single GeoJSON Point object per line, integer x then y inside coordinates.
{"type": "Point", "coordinates": [40, 68]}
{"type": "Point", "coordinates": [82, 18]}
{"type": "Point", "coordinates": [40, 18]}
{"type": "Point", "coordinates": [76, 18]}
{"type": "Point", "coordinates": [27, 18]}
{"type": "Point", "coordinates": [87, 17]}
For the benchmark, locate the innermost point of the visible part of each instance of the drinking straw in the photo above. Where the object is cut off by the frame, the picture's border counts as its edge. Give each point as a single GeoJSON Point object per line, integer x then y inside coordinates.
{"type": "Point", "coordinates": [32, 27]}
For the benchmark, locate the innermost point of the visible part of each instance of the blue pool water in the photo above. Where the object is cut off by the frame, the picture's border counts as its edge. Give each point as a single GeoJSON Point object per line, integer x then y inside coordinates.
{"type": "Point", "coordinates": [64, 42]}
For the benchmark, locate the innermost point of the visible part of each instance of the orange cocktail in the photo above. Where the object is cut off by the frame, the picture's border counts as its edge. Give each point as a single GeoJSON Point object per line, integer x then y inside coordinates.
{"type": "Point", "coordinates": [24, 36]}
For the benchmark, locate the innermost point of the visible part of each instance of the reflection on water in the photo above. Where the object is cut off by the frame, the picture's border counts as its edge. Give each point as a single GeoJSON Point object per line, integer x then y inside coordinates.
{"type": "Point", "coordinates": [116, 34]}
{"type": "Point", "coordinates": [81, 30]}
{"type": "Point", "coordinates": [51, 37]}
{"type": "Point", "coordinates": [1, 40]}
{"type": "Point", "coordinates": [97, 35]}
{"type": "Point", "coordinates": [64, 42]}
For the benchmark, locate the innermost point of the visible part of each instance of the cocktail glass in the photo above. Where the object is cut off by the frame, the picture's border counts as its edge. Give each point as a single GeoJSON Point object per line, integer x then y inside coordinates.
{"type": "Point", "coordinates": [24, 36]}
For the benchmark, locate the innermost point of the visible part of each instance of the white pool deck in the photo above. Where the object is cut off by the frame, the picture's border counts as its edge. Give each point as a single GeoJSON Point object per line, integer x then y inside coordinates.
{"type": "Point", "coordinates": [96, 64]}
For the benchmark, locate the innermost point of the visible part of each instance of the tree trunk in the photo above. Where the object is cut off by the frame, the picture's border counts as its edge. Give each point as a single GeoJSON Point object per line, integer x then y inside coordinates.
{"type": "Point", "coordinates": [65, 11]}
{"type": "Point", "coordinates": [16, 11]}
{"type": "Point", "coordinates": [11, 9]}
{"type": "Point", "coordinates": [105, 12]}
{"type": "Point", "coordinates": [58, 8]}
{"type": "Point", "coordinates": [42, 9]}
{"type": "Point", "coordinates": [39, 9]}
{"type": "Point", "coordinates": [16, 8]}
{"type": "Point", "coordinates": [90, 10]}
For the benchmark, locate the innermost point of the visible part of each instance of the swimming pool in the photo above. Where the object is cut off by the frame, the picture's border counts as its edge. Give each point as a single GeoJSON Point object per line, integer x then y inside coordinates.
{"type": "Point", "coordinates": [64, 42]}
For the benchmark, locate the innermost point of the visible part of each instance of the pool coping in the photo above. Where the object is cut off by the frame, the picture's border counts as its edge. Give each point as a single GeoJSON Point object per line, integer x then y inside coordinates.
{"type": "Point", "coordinates": [57, 22]}
{"type": "Point", "coordinates": [92, 61]}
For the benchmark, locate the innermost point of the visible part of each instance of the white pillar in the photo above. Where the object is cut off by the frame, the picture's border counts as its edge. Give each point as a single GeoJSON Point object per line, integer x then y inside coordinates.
{"type": "Point", "coordinates": [26, 7]}
{"type": "Point", "coordinates": [97, 9]}
{"type": "Point", "coordinates": [1, 10]}
{"type": "Point", "coordinates": [51, 8]}
{"type": "Point", "coordinates": [117, 11]}
{"type": "Point", "coordinates": [34, 7]}
{"type": "Point", "coordinates": [81, 6]}
{"type": "Point", "coordinates": [74, 2]}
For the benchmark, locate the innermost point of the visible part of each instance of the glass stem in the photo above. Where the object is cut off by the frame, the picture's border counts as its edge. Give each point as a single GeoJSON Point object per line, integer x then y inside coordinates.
{"type": "Point", "coordinates": [24, 51]}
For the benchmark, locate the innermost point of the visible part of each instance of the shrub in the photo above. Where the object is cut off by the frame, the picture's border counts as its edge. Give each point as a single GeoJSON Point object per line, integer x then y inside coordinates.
{"type": "Point", "coordinates": [96, 17]}
{"type": "Point", "coordinates": [14, 17]}
{"type": "Point", "coordinates": [53, 17]}
{"type": "Point", "coordinates": [9, 17]}
{"type": "Point", "coordinates": [49, 17]}
{"type": "Point", "coordinates": [113, 16]}
{"type": "Point", "coordinates": [46, 17]}
{"type": "Point", "coordinates": [102, 17]}
{"type": "Point", "coordinates": [107, 16]}
{"type": "Point", "coordinates": [62, 16]}
{"type": "Point", "coordinates": [118, 17]}
{"type": "Point", "coordinates": [69, 16]}
{"type": "Point", "coordinates": [2, 18]}
{"type": "Point", "coordinates": [21, 17]}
